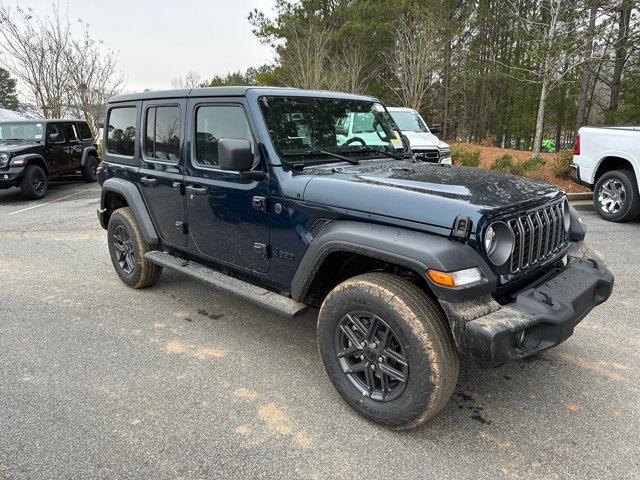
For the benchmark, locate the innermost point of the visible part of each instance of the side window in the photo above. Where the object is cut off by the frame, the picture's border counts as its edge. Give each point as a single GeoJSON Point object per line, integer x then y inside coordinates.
{"type": "Point", "coordinates": [70, 132]}
{"type": "Point", "coordinates": [55, 133]}
{"type": "Point", "coordinates": [121, 133]}
{"type": "Point", "coordinates": [214, 123]}
{"type": "Point", "coordinates": [85, 131]}
{"type": "Point", "coordinates": [163, 133]}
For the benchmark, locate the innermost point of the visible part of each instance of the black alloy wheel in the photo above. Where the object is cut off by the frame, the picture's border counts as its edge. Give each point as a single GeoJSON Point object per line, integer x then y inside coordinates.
{"type": "Point", "coordinates": [371, 356]}
{"type": "Point", "coordinates": [124, 247]}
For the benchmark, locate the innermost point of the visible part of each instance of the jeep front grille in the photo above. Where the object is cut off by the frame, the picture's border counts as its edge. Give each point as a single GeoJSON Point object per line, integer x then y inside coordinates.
{"type": "Point", "coordinates": [539, 236]}
{"type": "Point", "coordinates": [427, 155]}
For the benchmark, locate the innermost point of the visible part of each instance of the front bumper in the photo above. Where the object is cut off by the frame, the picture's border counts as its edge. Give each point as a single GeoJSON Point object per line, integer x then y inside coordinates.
{"type": "Point", "coordinates": [542, 315]}
{"type": "Point", "coordinates": [11, 177]}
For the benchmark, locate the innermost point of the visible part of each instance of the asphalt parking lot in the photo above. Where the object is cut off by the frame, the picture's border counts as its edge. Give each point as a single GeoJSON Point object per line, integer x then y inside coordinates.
{"type": "Point", "coordinates": [181, 381]}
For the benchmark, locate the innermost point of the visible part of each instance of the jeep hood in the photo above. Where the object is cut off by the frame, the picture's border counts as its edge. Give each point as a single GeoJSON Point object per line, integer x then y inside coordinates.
{"type": "Point", "coordinates": [423, 192]}
{"type": "Point", "coordinates": [16, 147]}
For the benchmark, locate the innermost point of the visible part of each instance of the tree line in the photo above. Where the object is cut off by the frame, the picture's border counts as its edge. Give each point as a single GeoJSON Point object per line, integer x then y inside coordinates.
{"type": "Point", "coordinates": [63, 69]}
{"type": "Point", "coordinates": [501, 72]}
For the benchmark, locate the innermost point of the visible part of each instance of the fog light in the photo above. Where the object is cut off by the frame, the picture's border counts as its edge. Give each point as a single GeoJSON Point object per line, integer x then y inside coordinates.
{"type": "Point", "coordinates": [6, 177]}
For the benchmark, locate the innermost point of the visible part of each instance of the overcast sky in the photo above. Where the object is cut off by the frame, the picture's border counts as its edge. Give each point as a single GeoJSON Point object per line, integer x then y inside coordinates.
{"type": "Point", "coordinates": [158, 40]}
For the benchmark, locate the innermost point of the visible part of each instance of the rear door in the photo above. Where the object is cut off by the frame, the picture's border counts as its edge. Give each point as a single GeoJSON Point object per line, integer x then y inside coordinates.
{"type": "Point", "coordinates": [74, 146]}
{"type": "Point", "coordinates": [161, 174]}
{"type": "Point", "coordinates": [227, 213]}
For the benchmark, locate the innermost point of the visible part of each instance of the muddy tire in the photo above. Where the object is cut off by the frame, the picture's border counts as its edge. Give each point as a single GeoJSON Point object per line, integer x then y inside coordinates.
{"type": "Point", "coordinates": [616, 197]}
{"type": "Point", "coordinates": [127, 248]}
{"type": "Point", "coordinates": [387, 349]}
{"type": "Point", "coordinates": [90, 170]}
{"type": "Point", "coordinates": [34, 184]}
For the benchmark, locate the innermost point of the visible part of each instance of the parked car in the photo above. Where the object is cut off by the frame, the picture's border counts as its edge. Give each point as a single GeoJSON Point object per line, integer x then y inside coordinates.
{"type": "Point", "coordinates": [424, 144]}
{"type": "Point", "coordinates": [252, 190]}
{"type": "Point", "coordinates": [607, 160]}
{"type": "Point", "coordinates": [33, 151]}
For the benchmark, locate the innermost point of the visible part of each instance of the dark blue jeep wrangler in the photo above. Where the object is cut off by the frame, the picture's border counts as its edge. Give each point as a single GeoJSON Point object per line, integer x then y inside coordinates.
{"type": "Point", "coordinates": [259, 192]}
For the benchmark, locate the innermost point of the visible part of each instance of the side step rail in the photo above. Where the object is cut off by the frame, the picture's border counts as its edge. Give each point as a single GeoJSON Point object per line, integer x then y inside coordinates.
{"type": "Point", "coordinates": [270, 300]}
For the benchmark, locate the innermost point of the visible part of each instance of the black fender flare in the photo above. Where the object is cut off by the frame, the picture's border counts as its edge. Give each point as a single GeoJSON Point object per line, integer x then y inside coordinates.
{"type": "Point", "coordinates": [85, 155]}
{"type": "Point", "coordinates": [132, 195]}
{"type": "Point", "coordinates": [28, 158]}
{"type": "Point", "coordinates": [416, 251]}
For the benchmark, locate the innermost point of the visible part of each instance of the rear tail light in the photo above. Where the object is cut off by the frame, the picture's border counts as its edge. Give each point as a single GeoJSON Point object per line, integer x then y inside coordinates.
{"type": "Point", "coordinates": [576, 145]}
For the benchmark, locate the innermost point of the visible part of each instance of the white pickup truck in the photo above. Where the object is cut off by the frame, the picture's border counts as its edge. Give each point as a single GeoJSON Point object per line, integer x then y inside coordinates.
{"type": "Point", "coordinates": [607, 160]}
{"type": "Point", "coordinates": [422, 140]}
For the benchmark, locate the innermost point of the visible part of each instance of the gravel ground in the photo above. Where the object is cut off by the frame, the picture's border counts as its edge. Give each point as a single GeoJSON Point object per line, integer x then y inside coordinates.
{"type": "Point", "coordinates": [182, 381]}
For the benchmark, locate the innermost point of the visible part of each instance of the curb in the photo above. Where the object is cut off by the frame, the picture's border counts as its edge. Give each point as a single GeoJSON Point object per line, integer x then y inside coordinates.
{"type": "Point", "coordinates": [579, 196]}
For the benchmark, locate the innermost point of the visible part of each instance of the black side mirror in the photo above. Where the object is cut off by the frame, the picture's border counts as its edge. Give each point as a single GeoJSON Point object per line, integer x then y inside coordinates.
{"type": "Point", "coordinates": [54, 137]}
{"type": "Point", "coordinates": [342, 131]}
{"type": "Point", "coordinates": [436, 128]}
{"type": "Point", "coordinates": [234, 154]}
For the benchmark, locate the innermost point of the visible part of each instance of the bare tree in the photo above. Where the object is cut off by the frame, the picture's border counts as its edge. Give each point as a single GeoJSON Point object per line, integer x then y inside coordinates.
{"type": "Point", "coordinates": [33, 50]}
{"type": "Point", "coordinates": [348, 70]}
{"type": "Point", "coordinates": [306, 54]}
{"type": "Point", "coordinates": [94, 77]}
{"type": "Point", "coordinates": [414, 61]}
{"type": "Point", "coordinates": [191, 80]}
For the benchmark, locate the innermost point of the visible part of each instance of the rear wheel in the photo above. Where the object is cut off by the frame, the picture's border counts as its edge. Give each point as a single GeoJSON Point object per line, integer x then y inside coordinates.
{"type": "Point", "coordinates": [90, 169]}
{"type": "Point", "coordinates": [387, 349]}
{"type": "Point", "coordinates": [34, 183]}
{"type": "Point", "coordinates": [616, 196]}
{"type": "Point", "coordinates": [127, 248]}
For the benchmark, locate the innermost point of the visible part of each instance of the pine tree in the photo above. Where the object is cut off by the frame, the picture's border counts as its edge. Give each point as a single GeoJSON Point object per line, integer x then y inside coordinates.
{"type": "Point", "coordinates": [8, 95]}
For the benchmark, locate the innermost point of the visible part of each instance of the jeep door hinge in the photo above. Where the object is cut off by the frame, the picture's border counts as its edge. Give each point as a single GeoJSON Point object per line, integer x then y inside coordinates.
{"type": "Point", "coordinates": [259, 203]}
{"type": "Point", "coordinates": [262, 250]}
{"type": "Point", "coordinates": [181, 227]}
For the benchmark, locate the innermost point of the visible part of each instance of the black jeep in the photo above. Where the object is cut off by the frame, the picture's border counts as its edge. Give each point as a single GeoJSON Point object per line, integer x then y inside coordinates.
{"type": "Point", "coordinates": [32, 151]}
{"type": "Point", "coordinates": [253, 191]}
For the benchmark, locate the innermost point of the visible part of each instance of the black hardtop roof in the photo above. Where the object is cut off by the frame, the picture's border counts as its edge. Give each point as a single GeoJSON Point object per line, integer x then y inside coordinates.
{"type": "Point", "coordinates": [45, 120]}
{"type": "Point", "coordinates": [239, 91]}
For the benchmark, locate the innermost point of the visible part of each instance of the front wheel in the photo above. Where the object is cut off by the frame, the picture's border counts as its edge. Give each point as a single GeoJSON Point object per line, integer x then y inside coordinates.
{"type": "Point", "coordinates": [34, 183]}
{"type": "Point", "coordinates": [616, 196]}
{"type": "Point", "coordinates": [387, 349]}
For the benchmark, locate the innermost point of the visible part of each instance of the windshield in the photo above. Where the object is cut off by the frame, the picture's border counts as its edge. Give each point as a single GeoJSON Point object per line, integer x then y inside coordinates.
{"type": "Point", "coordinates": [409, 121]}
{"type": "Point", "coordinates": [303, 126]}
{"type": "Point", "coordinates": [21, 131]}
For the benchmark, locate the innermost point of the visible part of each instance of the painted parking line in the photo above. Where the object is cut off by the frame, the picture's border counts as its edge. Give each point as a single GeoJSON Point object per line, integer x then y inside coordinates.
{"type": "Point", "coordinates": [53, 201]}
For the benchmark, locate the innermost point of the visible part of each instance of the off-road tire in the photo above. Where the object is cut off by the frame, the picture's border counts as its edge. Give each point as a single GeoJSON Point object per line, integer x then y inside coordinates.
{"type": "Point", "coordinates": [144, 273]}
{"type": "Point", "coordinates": [89, 173]}
{"type": "Point", "coordinates": [630, 208]}
{"type": "Point", "coordinates": [29, 189]}
{"type": "Point", "coordinates": [422, 329]}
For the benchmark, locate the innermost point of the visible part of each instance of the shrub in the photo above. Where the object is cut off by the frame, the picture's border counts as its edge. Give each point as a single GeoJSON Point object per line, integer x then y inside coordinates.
{"type": "Point", "coordinates": [559, 165]}
{"type": "Point", "coordinates": [505, 164]}
{"type": "Point", "coordinates": [465, 156]}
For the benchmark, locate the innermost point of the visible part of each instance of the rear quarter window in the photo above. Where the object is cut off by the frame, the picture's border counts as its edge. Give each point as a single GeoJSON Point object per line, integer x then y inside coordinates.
{"type": "Point", "coordinates": [121, 131]}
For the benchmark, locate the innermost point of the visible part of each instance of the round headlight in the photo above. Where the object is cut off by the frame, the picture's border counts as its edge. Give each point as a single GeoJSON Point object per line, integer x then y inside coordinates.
{"type": "Point", "coordinates": [489, 240]}
{"type": "Point", "coordinates": [4, 159]}
{"type": "Point", "coordinates": [498, 242]}
{"type": "Point", "coordinates": [566, 216]}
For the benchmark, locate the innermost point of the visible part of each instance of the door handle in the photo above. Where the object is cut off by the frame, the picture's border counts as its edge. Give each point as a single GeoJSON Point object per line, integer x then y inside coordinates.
{"type": "Point", "coordinates": [149, 181]}
{"type": "Point", "coordinates": [196, 190]}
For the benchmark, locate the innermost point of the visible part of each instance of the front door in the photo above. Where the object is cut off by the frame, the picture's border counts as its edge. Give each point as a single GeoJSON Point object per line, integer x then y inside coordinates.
{"type": "Point", "coordinates": [57, 152]}
{"type": "Point", "coordinates": [227, 213]}
{"type": "Point", "coordinates": [161, 174]}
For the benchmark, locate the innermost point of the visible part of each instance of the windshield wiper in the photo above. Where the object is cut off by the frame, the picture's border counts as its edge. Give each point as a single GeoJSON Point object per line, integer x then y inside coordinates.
{"type": "Point", "coordinates": [381, 151]}
{"type": "Point", "coordinates": [310, 153]}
